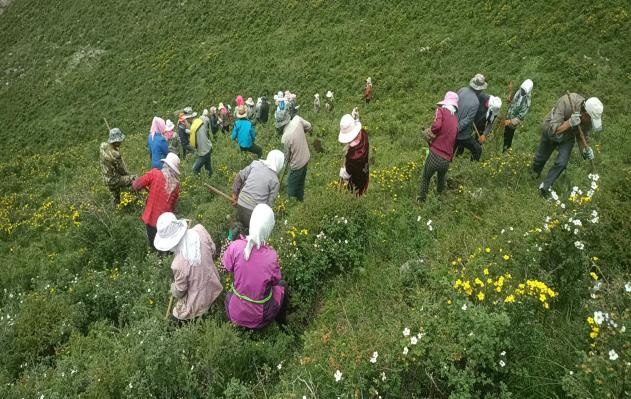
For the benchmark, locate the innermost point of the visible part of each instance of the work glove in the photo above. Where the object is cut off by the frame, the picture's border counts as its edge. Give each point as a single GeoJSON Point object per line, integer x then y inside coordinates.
{"type": "Point", "coordinates": [344, 174]}
{"type": "Point", "coordinates": [482, 139]}
{"type": "Point", "coordinates": [507, 122]}
{"type": "Point", "coordinates": [588, 154]}
{"type": "Point", "coordinates": [575, 119]}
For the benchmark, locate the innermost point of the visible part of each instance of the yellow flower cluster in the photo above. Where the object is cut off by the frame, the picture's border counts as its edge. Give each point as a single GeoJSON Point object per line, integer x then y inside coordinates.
{"type": "Point", "coordinates": [594, 329]}
{"type": "Point", "coordinates": [580, 199]}
{"type": "Point", "coordinates": [17, 212]}
{"type": "Point", "coordinates": [293, 232]}
{"type": "Point", "coordinates": [280, 206]}
{"type": "Point", "coordinates": [482, 276]}
{"type": "Point", "coordinates": [391, 179]}
{"type": "Point", "coordinates": [507, 163]}
{"type": "Point", "coordinates": [129, 200]}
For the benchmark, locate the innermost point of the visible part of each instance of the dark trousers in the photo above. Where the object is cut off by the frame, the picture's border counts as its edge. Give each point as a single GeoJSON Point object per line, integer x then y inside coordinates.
{"type": "Point", "coordinates": [544, 150]}
{"type": "Point", "coordinates": [255, 149]}
{"type": "Point", "coordinates": [509, 132]}
{"type": "Point", "coordinates": [151, 235]}
{"type": "Point", "coordinates": [204, 161]}
{"type": "Point", "coordinates": [244, 214]}
{"type": "Point", "coordinates": [296, 183]}
{"type": "Point", "coordinates": [433, 164]}
{"type": "Point", "coordinates": [470, 144]}
{"type": "Point", "coordinates": [186, 147]}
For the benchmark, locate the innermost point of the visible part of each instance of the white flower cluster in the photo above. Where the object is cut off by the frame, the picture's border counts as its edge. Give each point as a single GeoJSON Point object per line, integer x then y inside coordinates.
{"type": "Point", "coordinates": [373, 358]}
{"type": "Point", "coordinates": [579, 245]}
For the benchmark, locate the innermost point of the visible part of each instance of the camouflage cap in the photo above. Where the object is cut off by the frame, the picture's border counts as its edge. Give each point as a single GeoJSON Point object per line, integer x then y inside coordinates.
{"type": "Point", "coordinates": [116, 136]}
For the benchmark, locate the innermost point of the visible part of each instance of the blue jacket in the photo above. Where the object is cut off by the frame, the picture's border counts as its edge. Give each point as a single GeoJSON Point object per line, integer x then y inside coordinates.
{"type": "Point", "coordinates": [244, 133]}
{"type": "Point", "coordinates": [158, 149]}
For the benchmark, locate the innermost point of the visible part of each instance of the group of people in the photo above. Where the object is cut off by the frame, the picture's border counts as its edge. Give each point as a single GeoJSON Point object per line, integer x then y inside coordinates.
{"type": "Point", "coordinates": [471, 110]}
{"type": "Point", "coordinates": [258, 294]}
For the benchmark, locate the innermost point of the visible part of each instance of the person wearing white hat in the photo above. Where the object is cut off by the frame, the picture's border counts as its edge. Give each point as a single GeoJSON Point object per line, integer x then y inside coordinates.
{"type": "Point", "coordinates": [196, 283]}
{"type": "Point", "coordinates": [468, 105]}
{"type": "Point", "coordinates": [488, 110]}
{"type": "Point", "coordinates": [355, 171]}
{"type": "Point", "coordinates": [257, 294]}
{"type": "Point", "coordinates": [561, 128]}
{"type": "Point", "coordinates": [249, 106]}
{"type": "Point", "coordinates": [113, 168]}
{"type": "Point", "coordinates": [517, 111]}
{"type": "Point", "coordinates": [316, 103]}
{"type": "Point", "coordinates": [173, 140]}
{"type": "Point", "coordinates": [164, 191]}
{"type": "Point", "coordinates": [329, 101]}
{"type": "Point", "coordinates": [257, 184]}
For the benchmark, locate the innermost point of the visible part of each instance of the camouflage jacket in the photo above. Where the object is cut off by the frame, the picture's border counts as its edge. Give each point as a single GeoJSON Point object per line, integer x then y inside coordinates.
{"type": "Point", "coordinates": [113, 168]}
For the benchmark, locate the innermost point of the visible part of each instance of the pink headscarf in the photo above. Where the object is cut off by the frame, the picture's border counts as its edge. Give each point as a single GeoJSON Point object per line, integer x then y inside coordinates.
{"type": "Point", "coordinates": [240, 101]}
{"type": "Point", "coordinates": [157, 126]}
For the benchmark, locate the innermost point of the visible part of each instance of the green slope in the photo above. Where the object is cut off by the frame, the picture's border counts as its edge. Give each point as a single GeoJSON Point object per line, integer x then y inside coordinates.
{"type": "Point", "coordinates": [83, 303]}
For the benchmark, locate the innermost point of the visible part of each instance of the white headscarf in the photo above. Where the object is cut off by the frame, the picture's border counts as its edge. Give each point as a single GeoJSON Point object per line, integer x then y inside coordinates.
{"type": "Point", "coordinates": [190, 248]}
{"type": "Point", "coordinates": [275, 160]}
{"type": "Point", "coordinates": [261, 225]}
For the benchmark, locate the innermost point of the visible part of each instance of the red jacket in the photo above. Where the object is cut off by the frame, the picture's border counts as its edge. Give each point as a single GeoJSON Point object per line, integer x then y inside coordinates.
{"type": "Point", "coordinates": [445, 127]}
{"type": "Point", "coordinates": [158, 201]}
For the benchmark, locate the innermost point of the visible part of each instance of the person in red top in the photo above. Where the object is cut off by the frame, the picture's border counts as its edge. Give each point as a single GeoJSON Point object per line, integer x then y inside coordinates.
{"type": "Point", "coordinates": [355, 171]}
{"type": "Point", "coordinates": [164, 191]}
{"type": "Point", "coordinates": [444, 130]}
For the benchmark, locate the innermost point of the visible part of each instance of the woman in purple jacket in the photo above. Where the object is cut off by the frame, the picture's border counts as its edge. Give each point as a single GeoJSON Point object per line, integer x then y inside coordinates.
{"type": "Point", "coordinates": [441, 149]}
{"type": "Point", "coordinates": [257, 295]}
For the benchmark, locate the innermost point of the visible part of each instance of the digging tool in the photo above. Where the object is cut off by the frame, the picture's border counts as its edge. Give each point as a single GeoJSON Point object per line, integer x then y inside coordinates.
{"type": "Point", "coordinates": [218, 192]}
{"type": "Point", "coordinates": [107, 124]}
{"type": "Point", "coordinates": [580, 130]}
{"type": "Point", "coordinates": [166, 316]}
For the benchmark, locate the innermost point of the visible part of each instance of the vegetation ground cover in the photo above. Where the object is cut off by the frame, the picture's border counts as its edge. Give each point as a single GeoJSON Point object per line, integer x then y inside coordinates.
{"type": "Point", "coordinates": [490, 292]}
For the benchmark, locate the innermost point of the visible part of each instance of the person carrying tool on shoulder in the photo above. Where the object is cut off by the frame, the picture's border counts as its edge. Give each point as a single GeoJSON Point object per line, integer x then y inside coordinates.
{"type": "Point", "coordinates": [570, 119]}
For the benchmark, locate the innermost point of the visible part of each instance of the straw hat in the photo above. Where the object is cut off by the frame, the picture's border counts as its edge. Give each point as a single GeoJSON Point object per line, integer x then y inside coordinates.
{"type": "Point", "coordinates": [173, 161]}
{"type": "Point", "coordinates": [241, 111]}
{"type": "Point", "coordinates": [170, 231]}
{"type": "Point", "coordinates": [349, 129]}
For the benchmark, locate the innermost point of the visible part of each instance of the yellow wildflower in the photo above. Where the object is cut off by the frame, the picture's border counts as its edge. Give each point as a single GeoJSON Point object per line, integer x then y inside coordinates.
{"type": "Point", "coordinates": [506, 257]}
{"type": "Point", "coordinates": [594, 276]}
{"type": "Point", "coordinates": [481, 296]}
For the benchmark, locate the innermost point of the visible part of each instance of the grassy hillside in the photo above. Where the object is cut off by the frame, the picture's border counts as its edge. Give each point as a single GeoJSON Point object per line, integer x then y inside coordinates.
{"type": "Point", "coordinates": [82, 302]}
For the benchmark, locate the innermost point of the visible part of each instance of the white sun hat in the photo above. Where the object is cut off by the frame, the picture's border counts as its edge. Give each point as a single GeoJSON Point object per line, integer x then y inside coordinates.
{"type": "Point", "coordinates": [169, 126]}
{"type": "Point", "coordinates": [173, 161]}
{"type": "Point", "coordinates": [349, 129]}
{"type": "Point", "coordinates": [169, 232]}
{"type": "Point", "coordinates": [329, 94]}
{"type": "Point", "coordinates": [594, 108]}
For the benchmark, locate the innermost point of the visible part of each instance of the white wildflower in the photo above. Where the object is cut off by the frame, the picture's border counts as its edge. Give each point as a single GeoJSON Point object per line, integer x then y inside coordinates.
{"type": "Point", "coordinates": [429, 222]}
{"type": "Point", "coordinates": [579, 245]}
{"type": "Point", "coordinates": [502, 363]}
{"type": "Point", "coordinates": [599, 317]}
{"type": "Point", "coordinates": [418, 218]}
{"type": "Point", "coordinates": [413, 340]}
{"type": "Point", "coordinates": [464, 307]}
{"type": "Point", "coordinates": [575, 231]}
{"type": "Point", "coordinates": [503, 353]}
{"type": "Point", "coordinates": [337, 375]}
{"type": "Point", "coordinates": [554, 195]}
{"type": "Point", "coordinates": [405, 350]}
{"type": "Point", "coordinates": [373, 358]}
{"type": "Point", "coordinates": [383, 376]}
{"type": "Point", "coordinates": [562, 205]}
{"type": "Point", "coordinates": [280, 365]}
{"type": "Point", "coordinates": [406, 332]}
{"type": "Point", "coordinates": [613, 355]}
{"type": "Point", "coordinates": [502, 232]}
{"type": "Point", "coordinates": [627, 287]}
{"type": "Point", "coordinates": [577, 222]}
